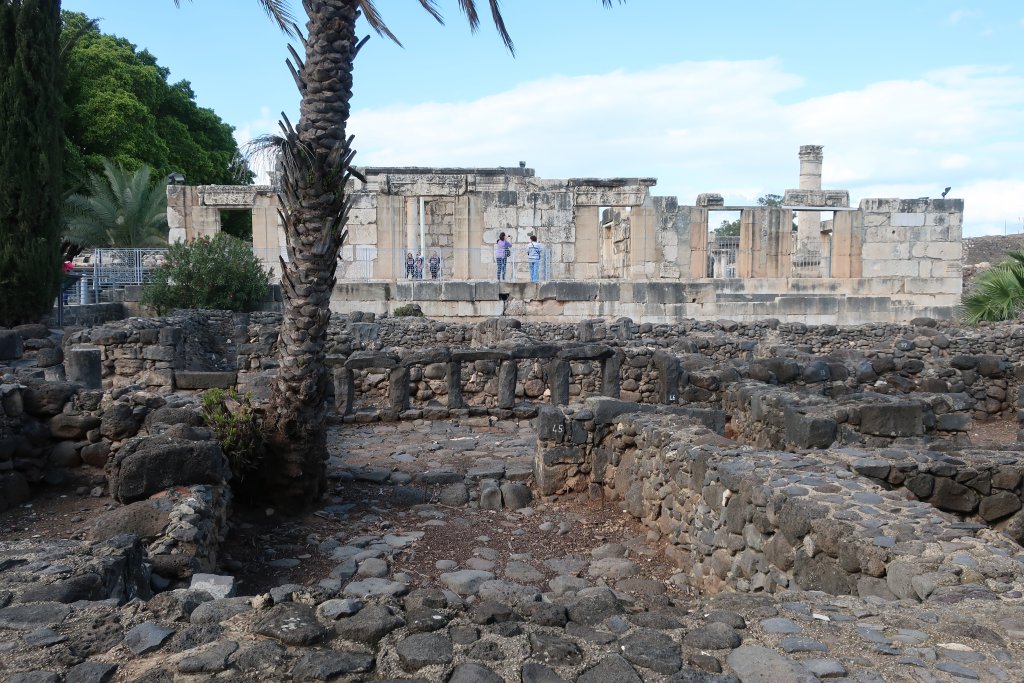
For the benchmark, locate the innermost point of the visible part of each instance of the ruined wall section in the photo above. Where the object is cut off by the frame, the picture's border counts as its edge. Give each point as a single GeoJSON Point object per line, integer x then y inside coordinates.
{"type": "Point", "coordinates": [918, 240]}
{"type": "Point", "coordinates": [739, 519]}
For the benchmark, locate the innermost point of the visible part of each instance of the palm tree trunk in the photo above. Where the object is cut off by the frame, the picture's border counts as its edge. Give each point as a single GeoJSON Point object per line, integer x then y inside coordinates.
{"type": "Point", "coordinates": [315, 162]}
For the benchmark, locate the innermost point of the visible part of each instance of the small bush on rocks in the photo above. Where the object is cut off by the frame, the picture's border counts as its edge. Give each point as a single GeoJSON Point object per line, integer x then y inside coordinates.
{"type": "Point", "coordinates": [220, 273]}
{"type": "Point", "coordinates": [408, 310]}
{"type": "Point", "coordinates": [238, 427]}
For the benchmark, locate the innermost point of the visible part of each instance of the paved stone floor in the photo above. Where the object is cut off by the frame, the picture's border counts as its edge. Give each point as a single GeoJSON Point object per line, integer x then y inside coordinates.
{"type": "Point", "coordinates": [431, 560]}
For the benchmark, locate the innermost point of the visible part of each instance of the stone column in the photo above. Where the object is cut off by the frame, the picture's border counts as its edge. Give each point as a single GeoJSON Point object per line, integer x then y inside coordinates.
{"type": "Point", "coordinates": [344, 390]}
{"type": "Point", "coordinates": [611, 369]}
{"type": "Point", "coordinates": [83, 366]}
{"type": "Point", "coordinates": [558, 382]}
{"type": "Point", "coordinates": [398, 389]}
{"type": "Point", "coordinates": [809, 222]}
{"type": "Point", "coordinates": [507, 376]}
{"type": "Point", "coordinates": [668, 377]}
{"type": "Point", "coordinates": [455, 385]}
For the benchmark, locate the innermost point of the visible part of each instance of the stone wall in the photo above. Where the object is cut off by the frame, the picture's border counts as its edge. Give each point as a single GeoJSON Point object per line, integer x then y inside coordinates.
{"type": "Point", "coordinates": [736, 518]}
{"type": "Point", "coordinates": [812, 301]}
{"type": "Point", "coordinates": [976, 370]}
{"type": "Point", "coordinates": [612, 248]}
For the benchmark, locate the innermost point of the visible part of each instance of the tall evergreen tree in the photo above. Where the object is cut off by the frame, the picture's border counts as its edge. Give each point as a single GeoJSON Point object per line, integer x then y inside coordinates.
{"type": "Point", "coordinates": [31, 147]}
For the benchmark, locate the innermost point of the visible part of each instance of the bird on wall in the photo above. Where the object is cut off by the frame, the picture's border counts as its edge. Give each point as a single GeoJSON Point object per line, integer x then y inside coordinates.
{"type": "Point", "coordinates": [946, 191]}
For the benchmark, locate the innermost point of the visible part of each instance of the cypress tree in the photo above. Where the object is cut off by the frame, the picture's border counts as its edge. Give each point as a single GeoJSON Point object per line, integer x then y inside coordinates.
{"type": "Point", "coordinates": [31, 146]}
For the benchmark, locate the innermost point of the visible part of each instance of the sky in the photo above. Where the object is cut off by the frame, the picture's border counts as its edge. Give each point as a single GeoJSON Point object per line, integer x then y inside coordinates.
{"type": "Point", "coordinates": [907, 96]}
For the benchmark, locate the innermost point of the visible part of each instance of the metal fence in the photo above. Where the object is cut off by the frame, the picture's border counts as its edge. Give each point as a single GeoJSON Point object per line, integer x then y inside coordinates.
{"type": "Point", "coordinates": [369, 263]}
{"type": "Point", "coordinates": [109, 272]}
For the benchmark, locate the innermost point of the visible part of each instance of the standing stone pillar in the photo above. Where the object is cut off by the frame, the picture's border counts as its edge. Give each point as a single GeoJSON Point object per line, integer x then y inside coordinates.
{"type": "Point", "coordinates": [455, 385]}
{"type": "Point", "coordinates": [558, 381]}
{"type": "Point", "coordinates": [808, 223]}
{"type": "Point", "coordinates": [507, 376]}
{"type": "Point", "coordinates": [83, 366]}
{"type": "Point", "coordinates": [398, 389]}
{"type": "Point", "coordinates": [611, 374]}
{"type": "Point", "coordinates": [668, 377]}
{"type": "Point", "coordinates": [11, 345]}
{"type": "Point", "coordinates": [344, 390]}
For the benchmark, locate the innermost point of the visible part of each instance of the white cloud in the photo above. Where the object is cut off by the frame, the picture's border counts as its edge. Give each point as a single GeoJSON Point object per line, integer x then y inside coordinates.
{"type": "Point", "coordinates": [264, 123]}
{"type": "Point", "coordinates": [959, 15]}
{"type": "Point", "coordinates": [734, 128]}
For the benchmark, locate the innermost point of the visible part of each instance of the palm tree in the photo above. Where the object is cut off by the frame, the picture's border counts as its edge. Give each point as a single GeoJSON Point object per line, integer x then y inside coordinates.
{"type": "Point", "coordinates": [316, 158]}
{"type": "Point", "coordinates": [998, 293]}
{"type": "Point", "coordinates": [120, 209]}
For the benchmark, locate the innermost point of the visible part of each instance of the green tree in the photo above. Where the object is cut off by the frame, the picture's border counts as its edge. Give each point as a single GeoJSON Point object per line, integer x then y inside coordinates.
{"type": "Point", "coordinates": [732, 228]}
{"type": "Point", "coordinates": [121, 209]}
{"type": "Point", "coordinates": [121, 106]}
{"type": "Point", "coordinates": [219, 273]}
{"type": "Point", "coordinates": [998, 293]}
{"type": "Point", "coordinates": [31, 152]}
{"type": "Point", "coordinates": [316, 156]}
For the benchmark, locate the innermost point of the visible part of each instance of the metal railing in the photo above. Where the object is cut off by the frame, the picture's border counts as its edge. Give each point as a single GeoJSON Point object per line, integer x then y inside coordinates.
{"type": "Point", "coordinates": [442, 264]}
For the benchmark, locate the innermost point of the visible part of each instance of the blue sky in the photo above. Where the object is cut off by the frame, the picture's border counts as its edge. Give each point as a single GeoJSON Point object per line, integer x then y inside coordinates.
{"type": "Point", "coordinates": [908, 96]}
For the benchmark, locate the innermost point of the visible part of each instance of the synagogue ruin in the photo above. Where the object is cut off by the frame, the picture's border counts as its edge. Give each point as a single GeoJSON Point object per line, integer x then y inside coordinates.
{"type": "Point", "coordinates": [613, 248]}
{"type": "Point", "coordinates": [528, 485]}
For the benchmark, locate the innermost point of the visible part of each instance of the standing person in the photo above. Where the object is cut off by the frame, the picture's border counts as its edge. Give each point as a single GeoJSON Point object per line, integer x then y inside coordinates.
{"type": "Point", "coordinates": [534, 254]}
{"type": "Point", "coordinates": [502, 250]}
{"type": "Point", "coordinates": [435, 266]}
{"type": "Point", "coordinates": [419, 265]}
{"type": "Point", "coordinates": [410, 265]}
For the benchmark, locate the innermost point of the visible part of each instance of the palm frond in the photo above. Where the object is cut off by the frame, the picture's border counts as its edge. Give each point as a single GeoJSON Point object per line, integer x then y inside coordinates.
{"type": "Point", "coordinates": [997, 295]}
{"type": "Point", "coordinates": [119, 209]}
{"type": "Point", "coordinates": [278, 11]}
{"type": "Point", "coordinates": [431, 7]}
{"type": "Point", "coordinates": [376, 22]}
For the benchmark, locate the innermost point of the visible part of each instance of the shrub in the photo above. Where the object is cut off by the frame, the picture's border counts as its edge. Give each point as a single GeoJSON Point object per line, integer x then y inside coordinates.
{"type": "Point", "coordinates": [237, 425]}
{"type": "Point", "coordinates": [413, 310]}
{"type": "Point", "coordinates": [220, 273]}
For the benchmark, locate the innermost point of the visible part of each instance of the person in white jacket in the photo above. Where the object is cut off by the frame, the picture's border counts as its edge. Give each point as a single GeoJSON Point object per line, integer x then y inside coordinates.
{"type": "Point", "coordinates": [534, 254]}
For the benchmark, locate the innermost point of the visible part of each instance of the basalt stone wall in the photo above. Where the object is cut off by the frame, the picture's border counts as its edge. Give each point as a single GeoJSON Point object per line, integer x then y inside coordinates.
{"type": "Point", "coordinates": [686, 362]}
{"type": "Point", "coordinates": [165, 353]}
{"type": "Point", "coordinates": [152, 455]}
{"type": "Point", "coordinates": [735, 518]}
{"type": "Point", "coordinates": [777, 417]}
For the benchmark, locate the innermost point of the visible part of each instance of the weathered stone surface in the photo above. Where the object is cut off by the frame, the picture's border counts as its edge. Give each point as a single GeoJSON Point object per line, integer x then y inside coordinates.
{"type": "Point", "coordinates": [611, 669]}
{"type": "Point", "coordinates": [757, 664]}
{"type": "Point", "coordinates": [465, 581]}
{"type": "Point", "coordinates": [327, 665]}
{"type": "Point", "coordinates": [147, 637]}
{"type": "Point", "coordinates": [470, 672]}
{"type": "Point", "coordinates": [145, 465]}
{"type": "Point", "coordinates": [35, 615]}
{"type": "Point", "coordinates": [370, 625]}
{"type": "Point", "coordinates": [424, 649]}
{"type": "Point", "coordinates": [291, 624]}
{"type": "Point", "coordinates": [652, 650]}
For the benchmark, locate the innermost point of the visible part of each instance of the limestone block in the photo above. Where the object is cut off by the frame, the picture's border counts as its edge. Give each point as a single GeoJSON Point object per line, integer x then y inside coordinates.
{"type": "Point", "coordinates": [899, 269]}
{"type": "Point", "coordinates": [875, 220]}
{"type": "Point", "coordinates": [364, 200]}
{"type": "Point", "coordinates": [946, 251]}
{"type": "Point", "coordinates": [908, 220]}
{"type": "Point", "coordinates": [884, 251]}
{"type": "Point", "coordinates": [527, 218]}
{"type": "Point", "coordinates": [668, 238]}
{"type": "Point", "coordinates": [879, 205]}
